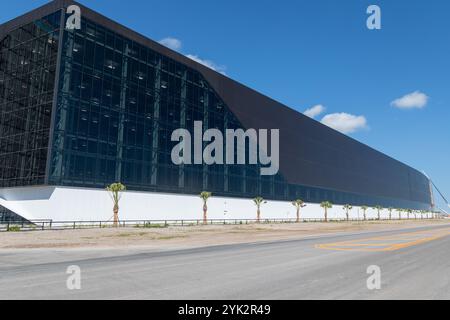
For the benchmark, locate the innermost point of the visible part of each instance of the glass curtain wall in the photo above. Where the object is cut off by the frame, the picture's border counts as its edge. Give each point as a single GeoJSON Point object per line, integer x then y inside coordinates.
{"type": "Point", "coordinates": [118, 104]}
{"type": "Point", "coordinates": [28, 58]}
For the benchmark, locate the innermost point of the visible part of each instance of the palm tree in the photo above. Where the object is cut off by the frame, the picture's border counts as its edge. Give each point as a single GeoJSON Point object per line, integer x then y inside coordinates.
{"type": "Point", "coordinates": [390, 209]}
{"type": "Point", "coordinates": [399, 210]}
{"type": "Point", "coordinates": [205, 196]}
{"type": "Point", "coordinates": [326, 205]}
{"type": "Point", "coordinates": [378, 208]}
{"type": "Point", "coordinates": [347, 208]}
{"type": "Point", "coordinates": [423, 213]}
{"type": "Point", "coordinates": [364, 209]}
{"type": "Point", "coordinates": [115, 191]}
{"type": "Point", "coordinates": [298, 204]}
{"type": "Point", "coordinates": [258, 202]}
{"type": "Point", "coordinates": [408, 213]}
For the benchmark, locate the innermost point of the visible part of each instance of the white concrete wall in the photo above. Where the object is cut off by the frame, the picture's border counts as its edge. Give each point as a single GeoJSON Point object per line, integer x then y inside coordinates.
{"type": "Point", "coordinates": [68, 204]}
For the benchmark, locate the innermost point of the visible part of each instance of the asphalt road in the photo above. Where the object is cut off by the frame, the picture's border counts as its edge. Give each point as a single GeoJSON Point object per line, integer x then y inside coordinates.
{"type": "Point", "coordinates": [414, 264]}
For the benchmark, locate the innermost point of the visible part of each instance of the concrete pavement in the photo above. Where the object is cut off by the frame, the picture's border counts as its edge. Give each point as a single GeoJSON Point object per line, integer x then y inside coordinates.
{"type": "Point", "coordinates": [414, 263]}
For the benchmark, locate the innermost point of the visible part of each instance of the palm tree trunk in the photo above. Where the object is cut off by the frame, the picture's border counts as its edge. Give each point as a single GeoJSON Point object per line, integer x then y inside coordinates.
{"type": "Point", "coordinates": [298, 215]}
{"type": "Point", "coordinates": [116, 215]}
{"type": "Point", "coordinates": [347, 216]}
{"type": "Point", "coordinates": [326, 215]}
{"type": "Point", "coordinates": [205, 214]}
{"type": "Point", "coordinates": [258, 215]}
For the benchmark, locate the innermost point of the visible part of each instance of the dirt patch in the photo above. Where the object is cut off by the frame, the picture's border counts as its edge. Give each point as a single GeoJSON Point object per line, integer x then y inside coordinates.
{"type": "Point", "coordinates": [194, 236]}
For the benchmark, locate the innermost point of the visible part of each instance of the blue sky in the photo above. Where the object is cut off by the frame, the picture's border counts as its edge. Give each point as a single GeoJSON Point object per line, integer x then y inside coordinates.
{"type": "Point", "coordinates": [307, 53]}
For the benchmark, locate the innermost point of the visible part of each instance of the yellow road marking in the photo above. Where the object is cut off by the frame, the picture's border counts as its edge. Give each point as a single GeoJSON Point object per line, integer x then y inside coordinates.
{"type": "Point", "coordinates": [401, 241]}
{"type": "Point", "coordinates": [358, 244]}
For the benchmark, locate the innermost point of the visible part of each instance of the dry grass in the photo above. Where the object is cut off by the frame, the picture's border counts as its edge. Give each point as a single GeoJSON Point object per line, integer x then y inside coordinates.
{"type": "Point", "coordinates": [194, 236]}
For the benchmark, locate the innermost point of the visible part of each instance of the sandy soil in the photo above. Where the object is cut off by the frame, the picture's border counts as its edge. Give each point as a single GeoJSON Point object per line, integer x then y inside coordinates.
{"type": "Point", "coordinates": [183, 237]}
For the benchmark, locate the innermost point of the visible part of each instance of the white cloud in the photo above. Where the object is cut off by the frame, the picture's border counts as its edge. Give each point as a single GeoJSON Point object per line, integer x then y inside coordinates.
{"type": "Point", "coordinates": [171, 43]}
{"type": "Point", "coordinates": [207, 63]}
{"type": "Point", "coordinates": [176, 44]}
{"type": "Point", "coordinates": [315, 111]}
{"type": "Point", "coordinates": [344, 122]}
{"type": "Point", "coordinates": [413, 100]}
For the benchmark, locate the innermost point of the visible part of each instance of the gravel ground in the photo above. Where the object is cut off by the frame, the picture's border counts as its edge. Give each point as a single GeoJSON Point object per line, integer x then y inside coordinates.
{"type": "Point", "coordinates": [195, 236]}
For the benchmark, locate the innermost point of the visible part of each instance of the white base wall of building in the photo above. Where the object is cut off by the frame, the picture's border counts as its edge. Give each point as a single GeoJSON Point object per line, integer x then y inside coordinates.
{"type": "Point", "coordinates": [81, 204]}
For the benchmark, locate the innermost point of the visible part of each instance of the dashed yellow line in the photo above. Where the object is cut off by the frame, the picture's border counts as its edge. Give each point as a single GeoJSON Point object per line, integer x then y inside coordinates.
{"type": "Point", "coordinates": [387, 243]}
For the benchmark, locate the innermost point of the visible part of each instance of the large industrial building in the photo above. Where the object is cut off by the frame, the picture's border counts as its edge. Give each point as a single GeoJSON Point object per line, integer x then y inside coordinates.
{"type": "Point", "coordinates": [83, 108]}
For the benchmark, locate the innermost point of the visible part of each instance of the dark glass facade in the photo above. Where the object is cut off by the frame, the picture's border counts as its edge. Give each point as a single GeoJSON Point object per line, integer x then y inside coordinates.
{"type": "Point", "coordinates": [7, 215]}
{"type": "Point", "coordinates": [27, 78]}
{"type": "Point", "coordinates": [117, 102]}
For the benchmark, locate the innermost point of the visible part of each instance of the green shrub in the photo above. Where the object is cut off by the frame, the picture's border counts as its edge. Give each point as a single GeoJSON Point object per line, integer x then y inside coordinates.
{"type": "Point", "coordinates": [14, 229]}
{"type": "Point", "coordinates": [154, 226]}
